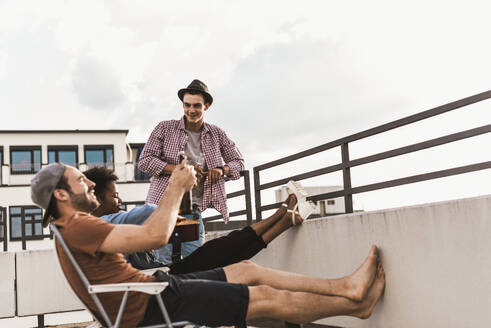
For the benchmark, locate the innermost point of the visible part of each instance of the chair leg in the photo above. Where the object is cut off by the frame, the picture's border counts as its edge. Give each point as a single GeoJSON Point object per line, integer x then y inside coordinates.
{"type": "Point", "coordinates": [121, 309]}
{"type": "Point", "coordinates": [164, 311]}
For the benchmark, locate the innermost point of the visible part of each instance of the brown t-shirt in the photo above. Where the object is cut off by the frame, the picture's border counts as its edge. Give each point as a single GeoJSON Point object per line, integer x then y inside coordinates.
{"type": "Point", "coordinates": [84, 234]}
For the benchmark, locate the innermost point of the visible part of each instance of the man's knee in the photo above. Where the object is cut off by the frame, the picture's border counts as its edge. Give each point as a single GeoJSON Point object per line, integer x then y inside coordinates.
{"type": "Point", "coordinates": [265, 292]}
{"type": "Point", "coordinates": [243, 272]}
{"type": "Point", "coordinates": [251, 268]}
{"type": "Point", "coordinates": [248, 263]}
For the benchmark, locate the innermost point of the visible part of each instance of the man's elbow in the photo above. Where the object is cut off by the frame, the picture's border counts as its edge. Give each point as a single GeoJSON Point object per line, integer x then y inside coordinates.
{"type": "Point", "coordinates": [160, 240]}
{"type": "Point", "coordinates": [161, 243]}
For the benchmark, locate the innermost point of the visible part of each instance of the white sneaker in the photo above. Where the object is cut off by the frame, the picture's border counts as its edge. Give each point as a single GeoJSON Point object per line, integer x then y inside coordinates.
{"type": "Point", "coordinates": [305, 207]}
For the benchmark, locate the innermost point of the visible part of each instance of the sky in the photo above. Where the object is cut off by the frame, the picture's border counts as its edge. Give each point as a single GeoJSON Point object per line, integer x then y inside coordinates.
{"type": "Point", "coordinates": [285, 76]}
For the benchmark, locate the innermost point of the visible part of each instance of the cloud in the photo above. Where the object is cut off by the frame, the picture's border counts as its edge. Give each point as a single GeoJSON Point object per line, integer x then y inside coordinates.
{"type": "Point", "coordinates": [3, 63]}
{"type": "Point", "coordinates": [96, 84]}
{"type": "Point", "coordinates": [296, 95]}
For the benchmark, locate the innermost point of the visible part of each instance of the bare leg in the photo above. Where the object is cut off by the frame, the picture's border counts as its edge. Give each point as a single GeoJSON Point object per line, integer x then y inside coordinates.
{"type": "Point", "coordinates": [354, 286]}
{"type": "Point", "coordinates": [301, 307]}
{"type": "Point", "coordinates": [282, 224]}
{"type": "Point", "coordinates": [264, 225]}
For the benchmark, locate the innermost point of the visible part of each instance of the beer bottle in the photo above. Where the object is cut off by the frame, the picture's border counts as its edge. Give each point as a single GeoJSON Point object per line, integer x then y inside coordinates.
{"type": "Point", "coordinates": [187, 199]}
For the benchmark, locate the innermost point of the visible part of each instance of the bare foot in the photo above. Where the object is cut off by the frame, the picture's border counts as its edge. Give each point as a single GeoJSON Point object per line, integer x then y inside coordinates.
{"type": "Point", "coordinates": [291, 202]}
{"type": "Point", "coordinates": [374, 294]}
{"type": "Point", "coordinates": [359, 282]}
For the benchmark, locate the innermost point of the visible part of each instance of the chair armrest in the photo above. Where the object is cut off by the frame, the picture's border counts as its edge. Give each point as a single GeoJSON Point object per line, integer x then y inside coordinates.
{"type": "Point", "coordinates": [151, 271]}
{"type": "Point", "coordinates": [144, 287]}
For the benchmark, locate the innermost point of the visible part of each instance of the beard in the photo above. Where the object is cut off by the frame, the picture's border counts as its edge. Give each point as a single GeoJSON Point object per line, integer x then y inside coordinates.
{"type": "Point", "coordinates": [81, 202]}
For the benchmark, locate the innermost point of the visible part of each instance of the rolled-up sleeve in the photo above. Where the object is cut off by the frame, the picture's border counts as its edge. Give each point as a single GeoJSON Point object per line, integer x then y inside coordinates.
{"type": "Point", "coordinates": [231, 156]}
{"type": "Point", "coordinates": [150, 160]}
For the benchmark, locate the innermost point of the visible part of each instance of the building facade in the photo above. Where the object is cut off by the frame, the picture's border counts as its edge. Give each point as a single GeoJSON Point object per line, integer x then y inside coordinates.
{"type": "Point", "coordinates": [24, 153]}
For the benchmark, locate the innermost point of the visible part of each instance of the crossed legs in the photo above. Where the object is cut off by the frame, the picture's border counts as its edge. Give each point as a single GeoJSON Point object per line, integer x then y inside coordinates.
{"type": "Point", "coordinates": [239, 245]}
{"type": "Point", "coordinates": [270, 228]}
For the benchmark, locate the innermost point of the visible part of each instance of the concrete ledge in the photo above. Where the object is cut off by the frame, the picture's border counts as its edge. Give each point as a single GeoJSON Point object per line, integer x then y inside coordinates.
{"type": "Point", "coordinates": [41, 286]}
{"type": "Point", "coordinates": [7, 285]}
{"type": "Point", "coordinates": [437, 259]}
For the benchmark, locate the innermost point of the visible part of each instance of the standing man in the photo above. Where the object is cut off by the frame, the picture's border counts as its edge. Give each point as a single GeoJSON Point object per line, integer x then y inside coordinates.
{"type": "Point", "coordinates": [207, 147]}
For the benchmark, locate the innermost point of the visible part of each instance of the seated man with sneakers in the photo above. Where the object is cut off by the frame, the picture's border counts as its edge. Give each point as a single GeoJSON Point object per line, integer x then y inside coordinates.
{"type": "Point", "coordinates": [236, 246]}
{"type": "Point", "coordinates": [227, 295]}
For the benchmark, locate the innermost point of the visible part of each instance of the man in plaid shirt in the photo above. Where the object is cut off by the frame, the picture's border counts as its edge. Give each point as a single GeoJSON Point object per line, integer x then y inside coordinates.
{"type": "Point", "coordinates": [207, 147]}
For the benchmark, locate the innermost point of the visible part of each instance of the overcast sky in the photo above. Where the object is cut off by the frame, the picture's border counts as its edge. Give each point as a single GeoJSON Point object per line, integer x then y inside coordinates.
{"type": "Point", "coordinates": [285, 75]}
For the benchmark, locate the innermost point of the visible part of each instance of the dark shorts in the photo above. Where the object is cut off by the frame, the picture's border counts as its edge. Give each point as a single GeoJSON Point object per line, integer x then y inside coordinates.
{"type": "Point", "coordinates": [203, 298]}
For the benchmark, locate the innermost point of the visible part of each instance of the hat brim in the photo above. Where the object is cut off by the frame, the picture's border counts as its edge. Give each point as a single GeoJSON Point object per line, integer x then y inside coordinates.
{"type": "Point", "coordinates": [206, 95]}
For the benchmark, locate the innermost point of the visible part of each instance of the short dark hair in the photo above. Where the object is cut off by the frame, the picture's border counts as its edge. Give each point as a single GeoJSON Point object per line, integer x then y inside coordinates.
{"type": "Point", "coordinates": [101, 176]}
{"type": "Point", "coordinates": [52, 209]}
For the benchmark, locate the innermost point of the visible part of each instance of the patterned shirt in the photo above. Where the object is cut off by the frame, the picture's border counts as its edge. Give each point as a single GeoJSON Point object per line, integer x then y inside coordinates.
{"type": "Point", "coordinates": [162, 148]}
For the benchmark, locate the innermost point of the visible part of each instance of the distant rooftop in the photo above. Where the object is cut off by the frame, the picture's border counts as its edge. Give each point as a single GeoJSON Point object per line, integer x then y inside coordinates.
{"type": "Point", "coordinates": [65, 131]}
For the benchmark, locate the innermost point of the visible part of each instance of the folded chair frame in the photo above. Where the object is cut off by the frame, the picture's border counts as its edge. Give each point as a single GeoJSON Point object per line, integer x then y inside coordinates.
{"type": "Point", "coordinates": [151, 288]}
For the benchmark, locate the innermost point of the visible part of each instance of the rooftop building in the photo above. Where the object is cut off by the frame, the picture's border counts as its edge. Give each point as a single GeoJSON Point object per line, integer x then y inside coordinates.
{"type": "Point", "coordinates": [24, 153]}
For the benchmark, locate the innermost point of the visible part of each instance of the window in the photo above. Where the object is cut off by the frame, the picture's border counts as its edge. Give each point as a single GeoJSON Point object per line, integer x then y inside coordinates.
{"type": "Point", "coordinates": [25, 159]}
{"type": "Point", "coordinates": [330, 202]}
{"type": "Point", "coordinates": [33, 222]}
{"type": "Point", "coordinates": [99, 156]}
{"type": "Point", "coordinates": [64, 154]}
{"type": "Point", "coordinates": [139, 175]}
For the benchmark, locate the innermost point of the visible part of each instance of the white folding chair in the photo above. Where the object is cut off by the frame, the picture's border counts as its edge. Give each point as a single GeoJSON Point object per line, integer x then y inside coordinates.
{"type": "Point", "coordinates": [152, 288]}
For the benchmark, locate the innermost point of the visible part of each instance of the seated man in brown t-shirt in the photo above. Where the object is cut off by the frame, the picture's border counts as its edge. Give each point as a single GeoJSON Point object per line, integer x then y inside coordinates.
{"type": "Point", "coordinates": [221, 296]}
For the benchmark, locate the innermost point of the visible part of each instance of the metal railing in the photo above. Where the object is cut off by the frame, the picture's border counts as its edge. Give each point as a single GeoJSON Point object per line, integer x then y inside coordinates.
{"type": "Point", "coordinates": [3, 225]}
{"type": "Point", "coordinates": [346, 164]}
{"type": "Point", "coordinates": [24, 237]}
{"type": "Point", "coordinates": [246, 192]}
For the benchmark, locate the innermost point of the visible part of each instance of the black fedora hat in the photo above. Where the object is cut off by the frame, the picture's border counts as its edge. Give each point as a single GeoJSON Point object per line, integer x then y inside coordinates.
{"type": "Point", "coordinates": [198, 86]}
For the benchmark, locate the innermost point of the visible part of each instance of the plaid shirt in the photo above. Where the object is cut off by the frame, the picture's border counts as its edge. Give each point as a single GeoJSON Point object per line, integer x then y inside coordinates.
{"type": "Point", "coordinates": [170, 137]}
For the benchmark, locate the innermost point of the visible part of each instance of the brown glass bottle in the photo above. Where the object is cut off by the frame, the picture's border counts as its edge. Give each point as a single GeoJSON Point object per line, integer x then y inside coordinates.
{"type": "Point", "coordinates": [187, 199]}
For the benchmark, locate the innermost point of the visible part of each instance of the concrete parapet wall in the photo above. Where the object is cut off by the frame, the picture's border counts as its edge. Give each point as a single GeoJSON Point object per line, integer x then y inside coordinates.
{"type": "Point", "coordinates": [437, 259]}
{"type": "Point", "coordinates": [41, 285]}
{"type": "Point", "coordinates": [7, 284]}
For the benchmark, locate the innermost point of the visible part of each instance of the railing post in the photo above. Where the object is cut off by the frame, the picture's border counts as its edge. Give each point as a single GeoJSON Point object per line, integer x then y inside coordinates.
{"type": "Point", "coordinates": [247, 189]}
{"type": "Point", "coordinates": [348, 197]}
{"type": "Point", "coordinates": [23, 229]}
{"type": "Point", "coordinates": [3, 214]}
{"type": "Point", "coordinates": [257, 195]}
{"type": "Point", "coordinates": [41, 321]}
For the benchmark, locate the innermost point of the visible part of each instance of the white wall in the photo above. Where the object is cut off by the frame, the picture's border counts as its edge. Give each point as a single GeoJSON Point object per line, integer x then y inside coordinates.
{"type": "Point", "coordinates": [437, 259]}
{"type": "Point", "coordinates": [41, 286]}
{"type": "Point", "coordinates": [131, 192]}
{"type": "Point", "coordinates": [7, 283]}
